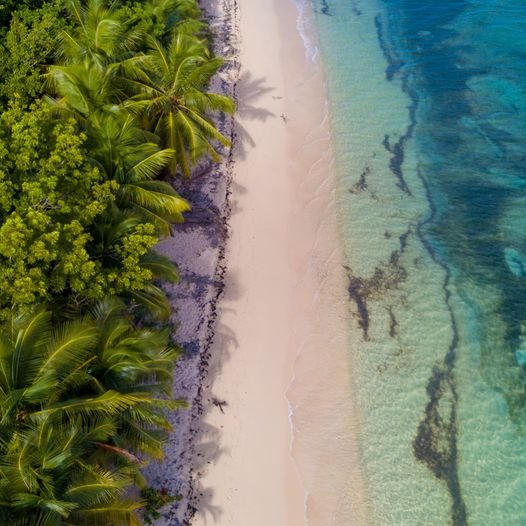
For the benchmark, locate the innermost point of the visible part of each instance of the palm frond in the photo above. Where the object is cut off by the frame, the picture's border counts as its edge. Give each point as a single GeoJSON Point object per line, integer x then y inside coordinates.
{"type": "Point", "coordinates": [157, 197]}
{"type": "Point", "coordinates": [109, 403]}
{"type": "Point", "coordinates": [69, 347]}
{"type": "Point", "coordinates": [151, 166]}
{"type": "Point", "coordinates": [161, 267]}
{"type": "Point", "coordinates": [154, 300]}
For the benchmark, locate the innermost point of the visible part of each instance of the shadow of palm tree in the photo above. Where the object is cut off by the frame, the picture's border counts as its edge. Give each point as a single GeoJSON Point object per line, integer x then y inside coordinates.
{"type": "Point", "coordinates": [249, 91]}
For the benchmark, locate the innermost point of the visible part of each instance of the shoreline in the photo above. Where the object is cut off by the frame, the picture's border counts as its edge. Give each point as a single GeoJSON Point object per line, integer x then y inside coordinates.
{"type": "Point", "coordinates": [282, 367]}
{"type": "Point", "coordinates": [325, 424]}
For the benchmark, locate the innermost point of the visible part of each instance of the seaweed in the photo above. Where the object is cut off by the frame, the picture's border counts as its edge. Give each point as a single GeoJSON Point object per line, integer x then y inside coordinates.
{"type": "Point", "coordinates": [393, 322]}
{"type": "Point", "coordinates": [362, 183]}
{"type": "Point", "coordinates": [387, 276]}
{"type": "Point", "coordinates": [325, 8]}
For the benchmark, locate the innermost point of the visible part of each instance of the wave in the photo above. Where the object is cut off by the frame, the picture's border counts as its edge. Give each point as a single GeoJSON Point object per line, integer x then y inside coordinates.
{"type": "Point", "coordinates": [305, 29]}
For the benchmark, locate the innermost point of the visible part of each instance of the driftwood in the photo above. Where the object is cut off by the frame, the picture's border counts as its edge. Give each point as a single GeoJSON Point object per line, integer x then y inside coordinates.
{"type": "Point", "coordinates": [219, 403]}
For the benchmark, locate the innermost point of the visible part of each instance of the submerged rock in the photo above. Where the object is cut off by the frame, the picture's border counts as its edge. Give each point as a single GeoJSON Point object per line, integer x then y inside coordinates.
{"type": "Point", "coordinates": [516, 262]}
{"type": "Point", "coordinates": [520, 357]}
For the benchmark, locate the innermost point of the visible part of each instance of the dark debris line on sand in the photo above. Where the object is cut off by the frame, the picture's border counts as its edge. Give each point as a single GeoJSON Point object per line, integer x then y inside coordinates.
{"type": "Point", "coordinates": [195, 298]}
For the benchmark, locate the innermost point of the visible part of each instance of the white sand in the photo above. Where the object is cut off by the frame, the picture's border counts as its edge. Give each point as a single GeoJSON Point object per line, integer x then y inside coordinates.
{"type": "Point", "coordinates": [281, 330]}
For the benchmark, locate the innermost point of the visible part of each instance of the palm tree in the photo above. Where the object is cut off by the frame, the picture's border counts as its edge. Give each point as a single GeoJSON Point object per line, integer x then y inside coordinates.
{"type": "Point", "coordinates": [131, 157]}
{"type": "Point", "coordinates": [132, 360]}
{"type": "Point", "coordinates": [100, 75]}
{"type": "Point", "coordinates": [83, 90]}
{"type": "Point", "coordinates": [49, 477]}
{"type": "Point", "coordinates": [170, 89]}
{"type": "Point", "coordinates": [48, 428]}
{"type": "Point", "coordinates": [108, 235]}
{"type": "Point", "coordinates": [78, 404]}
{"type": "Point", "coordinates": [117, 145]}
{"type": "Point", "coordinates": [91, 57]}
{"type": "Point", "coordinates": [100, 36]}
{"type": "Point", "coordinates": [159, 17]}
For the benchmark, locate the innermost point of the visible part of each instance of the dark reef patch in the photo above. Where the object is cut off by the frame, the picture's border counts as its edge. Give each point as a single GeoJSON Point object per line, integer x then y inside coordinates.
{"type": "Point", "coordinates": [435, 443]}
{"type": "Point", "coordinates": [358, 291]}
{"type": "Point", "coordinates": [394, 67]}
{"type": "Point", "coordinates": [394, 63]}
{"type": "Point", "coordinates": [324, 8]}
{"type": "Point", "coordinates": [386, 277]}
{"type": "Point", "coordinates": [362, 183]}
{"type": "Point", "coordinates": [397, 152]}
{"type": "Point", "coordinates": [393, 322]}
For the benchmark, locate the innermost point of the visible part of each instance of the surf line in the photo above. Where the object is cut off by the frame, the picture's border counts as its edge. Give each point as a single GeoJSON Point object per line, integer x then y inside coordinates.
{"type": "Point", "coordinates": [435, 443]}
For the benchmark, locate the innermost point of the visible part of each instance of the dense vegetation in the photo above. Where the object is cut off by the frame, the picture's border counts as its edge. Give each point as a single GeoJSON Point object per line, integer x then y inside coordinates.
{"type": "Point", "coordinates": [102, 103]}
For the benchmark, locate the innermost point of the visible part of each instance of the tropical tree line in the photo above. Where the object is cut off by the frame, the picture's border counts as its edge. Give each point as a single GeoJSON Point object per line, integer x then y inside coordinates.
{"type": "Point", "coordinates": [102, 104]}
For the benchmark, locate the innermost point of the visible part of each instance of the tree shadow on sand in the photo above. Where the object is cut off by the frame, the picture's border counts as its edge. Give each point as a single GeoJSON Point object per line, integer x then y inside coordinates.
{"type": "Point", "coordinates": [249, 91]}
{"type": "Point", "coordinates": [208, 449]}
{"type": "Point", "coordinates": [198, 447]}
{"type": "Point", "coordinates": [237, 190]}
{"type": "Point", "coordinates": [195, 445]}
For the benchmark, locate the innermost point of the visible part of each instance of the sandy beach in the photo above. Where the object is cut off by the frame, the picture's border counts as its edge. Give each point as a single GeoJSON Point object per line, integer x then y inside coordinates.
{"type": "Point", "coordinates": [279, 359]}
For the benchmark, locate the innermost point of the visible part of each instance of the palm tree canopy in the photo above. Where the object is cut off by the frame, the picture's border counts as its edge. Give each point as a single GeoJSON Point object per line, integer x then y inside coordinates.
{"type": "Point", "coordinates": [79, 402]}
{"type": "Point", "coordinates": [171, 89]}
{"type": "Point", "coordinates": [159, 17]}
{"type": "Point", "coordinates": [100, 35]}
{"type": "Point", "coordinates": [128, 155]}
{"type": "Point", "coordinates": [47, 432]}
{"type": "Point", "coordinates": [168, 86]}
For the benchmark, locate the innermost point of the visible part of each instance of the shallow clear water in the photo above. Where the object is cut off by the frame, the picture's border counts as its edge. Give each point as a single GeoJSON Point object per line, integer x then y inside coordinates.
{"type": "Point", "coordinates": [428, 110]}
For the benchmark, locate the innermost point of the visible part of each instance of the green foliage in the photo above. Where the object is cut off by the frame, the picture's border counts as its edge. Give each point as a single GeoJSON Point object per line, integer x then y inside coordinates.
{"type": "Point", "coordinates": [158, 18]}
{"type": "Point", "coordinates": [9, 7]}
{"type": "Point", "coordinates": [51, 195]}
{"type": "Point", "coordinates": [48, 435]}
{"type": "Point", "coordinates": [100, 34]}
{"type": "Point", "coordinates": [103, 79]}
{"type": "Point", "coordinates": [92, 90]}
{"type": "Point", "coordinates": [30, 44]}
{"type": "Point", "coordinates": [79, 403]}
{"type": "Point", "coordinates": [131, 156]}
{"type": "Point", "coordinates": [103, 102]}
{"type": "Point", "coordinates": [154, 500]}
{"type": "Point", "coordinates": [169, 87]}
{"type": "Point", "coordinates": [61, 232]}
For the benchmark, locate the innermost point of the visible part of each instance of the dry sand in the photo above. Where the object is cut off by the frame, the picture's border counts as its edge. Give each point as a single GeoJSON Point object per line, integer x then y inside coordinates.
{"type": "Point", "coordinates": [280, 350]}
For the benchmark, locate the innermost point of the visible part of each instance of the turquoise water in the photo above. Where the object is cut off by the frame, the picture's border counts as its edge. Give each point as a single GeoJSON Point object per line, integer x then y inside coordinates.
{"type": "Point", "coordinates": [428, 111]}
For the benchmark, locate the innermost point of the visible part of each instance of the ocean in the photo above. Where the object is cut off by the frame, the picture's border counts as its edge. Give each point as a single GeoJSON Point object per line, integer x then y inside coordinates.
{"type": "Point", "coordinates": [428, 112]}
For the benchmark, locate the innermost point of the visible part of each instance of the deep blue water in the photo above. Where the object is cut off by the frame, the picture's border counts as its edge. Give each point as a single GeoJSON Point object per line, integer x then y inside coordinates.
{"type": "Point", "coordinates": [465, 64]}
